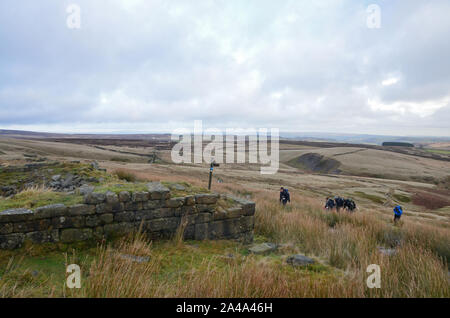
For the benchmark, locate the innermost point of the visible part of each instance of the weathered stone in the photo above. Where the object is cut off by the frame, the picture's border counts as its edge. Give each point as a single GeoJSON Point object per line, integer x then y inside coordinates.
{"type": "Point", "coordinates": [186, 210]}
{"type": "Point", "coordinates": [199, 218]}
{"type": "Point", "coordinates": [189, 200]}
{"type": "Point", "coordinates": [98, 232]}
{"type": "Point", "coordinates": [75, 235]}
{"type": "Point", "coordinates": [152, 204]}
{"type": "Point", "coordinates": [178, 187]}
{"type": "Point", "coordinates": [204, 208]}
{"type": "Point", "coordinates": [263, 248]}
{"type": "Point", "coordinates": [158, 191]}
{"type": "Point", "coordinates": [133, 206]}
{"type": "Point", "coordinates": [110, 207]}
{"type": "Point", "coordinates": [15, 215]}
{"type": "Point", "coordinates": [93, 220]}
{"type": "Point", "coordinates": [134, 258]}
{"type": "Point", "coordinates": [31, 226]}
{"type": "Point", "coordinates": [81, 209]}
{"type": "Point", "coordinates": [6, 228]}
{"type": "Point", "coordinates": [124, 217]}
{"type": "Point", "coordinates": [144, 215]}
{"type": "Point", "coordinates": [387, 251]}
{"type": "Point", "coordinates": [225, 229]}
{"type": "Point", "coordinates": [206, 198]}
{"type": "Point", "coordinates": [174, 202]}
{"type": "Point", "coordinates": [50, 211]}
{"type": "Point", "coordinates": [124, 196]}
{"type": "Point", "coordinates": [56, 177]}
{"type": "Point", "coordinates": [246, 223]}
{"type": "Point", "coordinates": [163, 224]}
{"type": "Point", "coordinates": [248, 207]}
{"type": "Point", "coordinates": [67, 182]}
{"type": "Point", "coordinates": [106, 218]}
{"type": "Point", "coordinates": [64, 222]}
{"type": "Point", "coordinates": [228, 214]}
{"type": "Point", "coordinates": [85, 189]}
{"type": "Point", "coordinates": [118, 229]}
{"type": "Point", "coordinates": [94, 198]}
{"type": "Point", "coordinates": [11, 241]}
{"type": "Point", "coordinates": [299, 260]}
{"type": "Point", "coordinates": [140, 196]}
{"type": "Point", "coordinates": [201, 232]}
{"type": "Point", "coordinates": [111, 197]}
{"type": "Point", "coordinates": [95, 165]}
{"type": "Point", "coordinates": [43, 236]}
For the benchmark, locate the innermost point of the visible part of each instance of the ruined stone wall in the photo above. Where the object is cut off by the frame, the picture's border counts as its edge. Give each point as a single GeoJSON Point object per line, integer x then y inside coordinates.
{"type": "Point", "coordinates": [106, 215]}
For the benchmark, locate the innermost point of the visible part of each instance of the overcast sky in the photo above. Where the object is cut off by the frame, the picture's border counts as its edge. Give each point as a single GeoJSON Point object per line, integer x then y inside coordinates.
{"type": "Point", "coordinates": [153, 65]}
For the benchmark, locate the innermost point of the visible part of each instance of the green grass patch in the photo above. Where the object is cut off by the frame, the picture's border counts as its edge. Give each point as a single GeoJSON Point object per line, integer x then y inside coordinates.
{"type": "Point", "coordinates": [439, 151]}
{"type": "Point", "coordinates": [120, 185]}
{"type": "Point", "coordinates": [371, 197]}
{"type": "Point", "coordinates": [35, 199]}
{"type": "Point", "coordinates": [402, 198]}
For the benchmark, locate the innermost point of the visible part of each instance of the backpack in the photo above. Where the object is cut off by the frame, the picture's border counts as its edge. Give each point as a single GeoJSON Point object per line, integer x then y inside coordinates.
{"type": "Point", "coordinates": [286, 193]}
{"type": "Point", "coordinates": [398, 210]}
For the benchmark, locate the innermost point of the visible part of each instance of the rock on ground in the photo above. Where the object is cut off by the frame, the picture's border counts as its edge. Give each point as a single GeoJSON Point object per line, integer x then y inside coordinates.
{"type": "Point", "coordinates": [263, 248]}
{"type": "Point", "coordinates": [299, 260]}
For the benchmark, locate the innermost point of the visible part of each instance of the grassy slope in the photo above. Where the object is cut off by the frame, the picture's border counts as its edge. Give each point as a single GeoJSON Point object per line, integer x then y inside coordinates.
{"type": "Point", "coordinates": [343, 244]}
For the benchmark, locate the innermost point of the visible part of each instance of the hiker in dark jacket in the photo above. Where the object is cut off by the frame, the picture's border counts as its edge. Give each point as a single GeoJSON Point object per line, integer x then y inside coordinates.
{"type": "Point", "coordinates": [285, 197]}
{"type": "Point", "coordinates": [329, 204]}
{"type": "Point", "coordinates": [339, 203]}
{"type": "Point", "coordinates": [398, 211]}
{"type": "Point", "coordinates": [349, 205]}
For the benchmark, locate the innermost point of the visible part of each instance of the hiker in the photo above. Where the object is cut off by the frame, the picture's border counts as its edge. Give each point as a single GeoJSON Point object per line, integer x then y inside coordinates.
{"type": "Point", "coordinates": [339, 203]}
{"type": "Point", "coordinates": [349, 205]}
{"type": "Point", "coordinates": [398, 211]}
{"type": "Point", "coordinates": [329, 204]}
{"type": "Point", "coordinates": [285, 197]}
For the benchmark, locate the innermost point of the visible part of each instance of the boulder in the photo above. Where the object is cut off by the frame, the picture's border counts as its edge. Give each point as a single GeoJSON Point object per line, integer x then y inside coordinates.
{"type": "Point", "coordinates": [158, 191]}
{"type": "Point", "coordinates": [387, 251]}
{"type": "Point", "coordinates": [299, 260]}
{"type": "Point", "coordinates": [56, 177]}
{"type": "Point", "coordinates": [134, 258]}
{"type": "Point", "coordinates": [94, 198]}
{"type": "Point", "coordinates": [111, 197]}
{"type": "Point", "coordinates": [85, 189]}
{"type": "Point", "coordinates": [263, 248]}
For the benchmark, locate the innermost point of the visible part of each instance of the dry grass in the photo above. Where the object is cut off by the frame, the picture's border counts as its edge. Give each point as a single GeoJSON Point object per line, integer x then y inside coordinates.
{"type": "Point", "coordinates": [126, 175]}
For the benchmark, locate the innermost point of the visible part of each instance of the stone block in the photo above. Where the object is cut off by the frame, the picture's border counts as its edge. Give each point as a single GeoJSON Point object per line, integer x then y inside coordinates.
{"type": "Point", "coordinates": [75, 235]}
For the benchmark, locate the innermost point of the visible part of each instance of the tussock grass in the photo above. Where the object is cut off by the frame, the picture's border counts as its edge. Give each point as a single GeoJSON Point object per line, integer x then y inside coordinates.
{"type": "Point", "coordinates": [125, 175]}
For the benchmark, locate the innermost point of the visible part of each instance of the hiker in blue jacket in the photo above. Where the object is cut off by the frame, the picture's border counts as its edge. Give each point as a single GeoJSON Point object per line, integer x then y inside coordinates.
{"type": "Point", "coordinates": [398, 211]}
{"type": "Point", "coordinates": [285, 197]}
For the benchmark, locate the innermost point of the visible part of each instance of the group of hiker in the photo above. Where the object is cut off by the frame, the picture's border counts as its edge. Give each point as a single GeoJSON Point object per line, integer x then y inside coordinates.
{"type": "Point", "coordinates": [337, 203]}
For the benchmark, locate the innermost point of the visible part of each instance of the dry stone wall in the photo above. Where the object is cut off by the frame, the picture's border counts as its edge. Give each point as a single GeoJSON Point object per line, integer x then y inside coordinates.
{"type": "Point", "coordinates": [107, 215]}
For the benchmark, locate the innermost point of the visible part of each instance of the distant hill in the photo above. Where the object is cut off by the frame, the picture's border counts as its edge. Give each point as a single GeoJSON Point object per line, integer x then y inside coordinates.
{"type": "Point", "coordinates": [397, 144]}
{"type": "Point", "coordinates": [41, 135]}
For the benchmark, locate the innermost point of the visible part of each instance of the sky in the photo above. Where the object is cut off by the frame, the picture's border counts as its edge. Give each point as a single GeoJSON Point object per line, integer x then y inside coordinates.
{"type": "Point", "coordinates": [155, 66]}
